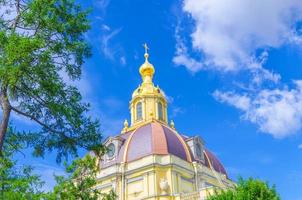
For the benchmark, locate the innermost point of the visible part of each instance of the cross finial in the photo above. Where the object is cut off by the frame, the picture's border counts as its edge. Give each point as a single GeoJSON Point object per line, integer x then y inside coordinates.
{"type": "Point", "coordinates": [146, 47]}
{"type": "Point", "coordinates": [146, 52]}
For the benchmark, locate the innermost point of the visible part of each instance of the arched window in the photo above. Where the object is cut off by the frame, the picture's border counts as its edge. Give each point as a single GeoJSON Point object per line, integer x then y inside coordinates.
{"type": "Point", "coordinates": [139, 114]}
{"type": "Point", "coordinates": [160, 111]}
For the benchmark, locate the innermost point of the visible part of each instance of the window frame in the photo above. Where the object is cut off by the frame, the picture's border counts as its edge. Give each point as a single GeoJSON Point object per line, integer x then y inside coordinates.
{"type": "Point", "coordinates": [139, 107]}
{"type": "Point", "coordinates": [160, 111]}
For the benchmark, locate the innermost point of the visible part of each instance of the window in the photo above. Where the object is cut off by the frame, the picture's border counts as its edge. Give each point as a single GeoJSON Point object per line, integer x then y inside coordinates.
{"type": "Point", "coordinates": [198, 151]}
{"type": "Point", "coordinates": [139, 114]}
{"type": "Point", "coordinates": [160, 111]}
{"type": "Point", "coordinates": [111, 150]}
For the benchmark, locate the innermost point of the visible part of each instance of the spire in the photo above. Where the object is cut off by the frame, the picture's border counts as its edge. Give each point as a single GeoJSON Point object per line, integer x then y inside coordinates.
{"type": "Point", "coordinates": [146, 55]}
{"type": "Point", "coordinates": [146, 70]}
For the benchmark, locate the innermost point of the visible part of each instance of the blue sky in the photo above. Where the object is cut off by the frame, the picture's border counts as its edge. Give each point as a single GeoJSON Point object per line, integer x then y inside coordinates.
{"type": "Point", "coordinates": [232, 71]}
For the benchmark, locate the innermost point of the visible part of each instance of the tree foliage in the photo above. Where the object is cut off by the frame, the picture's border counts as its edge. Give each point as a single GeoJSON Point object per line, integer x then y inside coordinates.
{"type": "Point", "coordinates": [81, 182]}
{"type": "Point", "coordinates": [17, 182]}
{"type": "Point", "coordinates": [42, 49]}
{"type": "Point", "coordinates": [250, 189]}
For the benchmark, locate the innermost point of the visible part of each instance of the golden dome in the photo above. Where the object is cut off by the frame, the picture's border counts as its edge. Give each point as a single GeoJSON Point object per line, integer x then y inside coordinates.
{"type": "Point", "coordinates": [146, 69]}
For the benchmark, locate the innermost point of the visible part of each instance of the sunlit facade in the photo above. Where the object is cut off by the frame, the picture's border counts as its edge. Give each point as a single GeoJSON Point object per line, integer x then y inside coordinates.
{"type": "Point", "coordinates": [150, 159]}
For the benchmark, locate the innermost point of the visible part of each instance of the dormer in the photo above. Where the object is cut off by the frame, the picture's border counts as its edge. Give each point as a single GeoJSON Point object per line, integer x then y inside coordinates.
{"type": "Point", "coordinates": [113, 145]}
{"type": "Point", "coordinates": [196, 145]}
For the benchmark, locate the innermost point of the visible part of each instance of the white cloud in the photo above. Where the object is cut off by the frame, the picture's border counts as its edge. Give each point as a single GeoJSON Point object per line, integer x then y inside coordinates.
{"type": "Point", "coordinates": [241, 102]}
{"type": "Point", "coordinates": [277, 112]}
{"type": "Point", "coordinates": [182, 57]}
{"type": "Point", "coordinates": [192, 64]}
{"type": "Point", "coordinates": [176, 111]}
{"type": "Point", "coordinates": [229, 34]}
{"type": "Point", "coordinates": [235, 35]}
{"type": "Point", "coordinates": [110, 49]}
{"type": "Point", "coordinates": [102, 6]}
{"type": "Point", "coordinates": [105, 27]}
{"type": "Point", "coordinates": [106, 47]}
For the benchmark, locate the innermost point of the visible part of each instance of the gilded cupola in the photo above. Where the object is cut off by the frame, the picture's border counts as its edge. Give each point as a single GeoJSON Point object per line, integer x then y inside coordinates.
{"type": "Point", "coordinates": [148, 101]}
{"type": "Point", "coordinates": [147, 70]}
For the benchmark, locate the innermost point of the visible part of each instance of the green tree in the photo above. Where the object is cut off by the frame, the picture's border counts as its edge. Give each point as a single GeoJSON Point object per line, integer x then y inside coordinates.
{"type": "Point", "coordinates": [42, 48]}
{"type": "Point", "coordinates": [250, 189]}
{"type": "Point", "coordinates": [17, 182]}
{"type": "Point", "coordinates": [81, 182]}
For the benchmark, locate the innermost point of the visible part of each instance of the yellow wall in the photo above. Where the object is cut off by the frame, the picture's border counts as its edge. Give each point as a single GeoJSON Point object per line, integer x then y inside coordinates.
{"type": "Point", "coordinates": [142, 178]}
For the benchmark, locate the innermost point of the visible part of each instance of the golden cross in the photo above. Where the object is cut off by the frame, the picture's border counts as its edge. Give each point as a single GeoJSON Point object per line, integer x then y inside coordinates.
{"type": "Point", "coordinates": [146, 47]}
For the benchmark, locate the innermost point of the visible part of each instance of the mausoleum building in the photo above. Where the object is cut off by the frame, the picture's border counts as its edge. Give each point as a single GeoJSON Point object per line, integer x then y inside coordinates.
{"type": "Point", "coordinates": [150, 159]}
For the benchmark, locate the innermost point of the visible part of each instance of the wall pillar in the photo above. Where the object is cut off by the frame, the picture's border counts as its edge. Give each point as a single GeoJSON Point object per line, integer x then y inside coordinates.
{"type": "Point", "coordinates": [123, 185]}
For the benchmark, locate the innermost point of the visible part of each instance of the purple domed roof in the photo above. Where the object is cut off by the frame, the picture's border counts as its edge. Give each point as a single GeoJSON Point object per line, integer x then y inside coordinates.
{"type": "Point", "coordinates": [212, 162]}
{"type": "Point", "coordinates": [149, 139]}
{"type": "Point", "coordinates": [156, 138]}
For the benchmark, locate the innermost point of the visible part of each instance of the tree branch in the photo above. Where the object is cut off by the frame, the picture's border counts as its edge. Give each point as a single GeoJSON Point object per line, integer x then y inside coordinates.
{"type": "Point", "coordinates": [14, 25]}
{"type": "Point", "coordinates": [6, 109]}
{"type": "Point", "coordinates": [27, 92]}
{"type": "Point", "coordinates": [16, 148]}
{"type": "Point", "coordinates": [36, 120]}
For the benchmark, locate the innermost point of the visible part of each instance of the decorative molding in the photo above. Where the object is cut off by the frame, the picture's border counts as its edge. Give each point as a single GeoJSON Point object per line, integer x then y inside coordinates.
{"type": "Point", "coordinates": [131, 180]}
{"type": "Point", "coordinates": [100, 187]}
{"type": "Point", "coordinates": [191, 180]}
{"type": "Point", "coordinates": [149, 165]}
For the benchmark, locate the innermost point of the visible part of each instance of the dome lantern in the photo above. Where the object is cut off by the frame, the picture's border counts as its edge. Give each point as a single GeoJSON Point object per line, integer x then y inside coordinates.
{"type": "Point", "coordinates": [148, 101]}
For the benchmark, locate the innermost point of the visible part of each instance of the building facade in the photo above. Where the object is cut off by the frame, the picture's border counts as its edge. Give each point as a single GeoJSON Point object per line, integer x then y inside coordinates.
{"type": "Point", "coordinates": [151, 160]}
